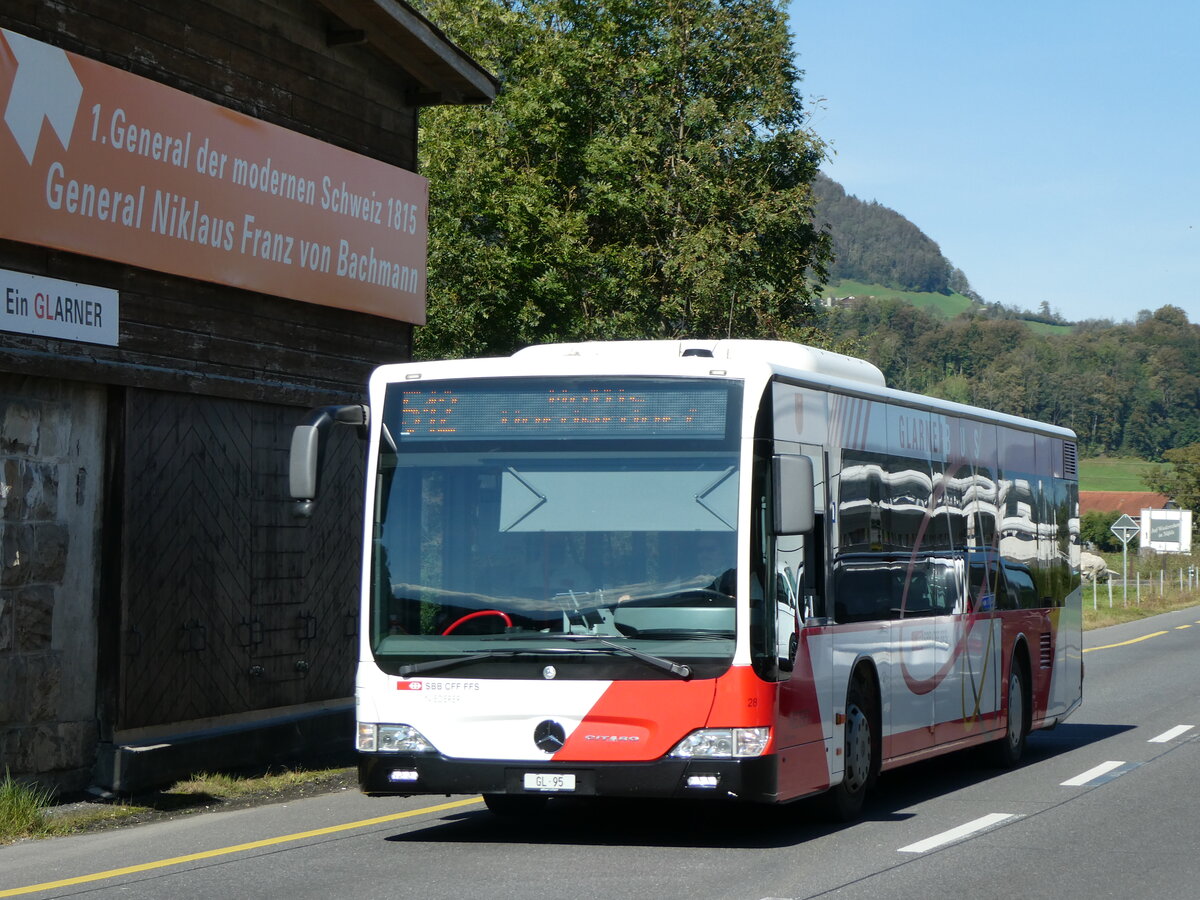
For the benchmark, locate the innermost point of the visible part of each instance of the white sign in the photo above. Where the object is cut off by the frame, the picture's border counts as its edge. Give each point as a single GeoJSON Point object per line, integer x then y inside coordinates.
{"type": "Point", "coordinates": [1167, 530]}
{"type": "Point", "coordinates": [31, 304]}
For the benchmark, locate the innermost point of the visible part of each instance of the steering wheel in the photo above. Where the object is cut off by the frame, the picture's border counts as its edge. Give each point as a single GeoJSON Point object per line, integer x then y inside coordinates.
{"type": "Point", "coordinates": [475, 615]}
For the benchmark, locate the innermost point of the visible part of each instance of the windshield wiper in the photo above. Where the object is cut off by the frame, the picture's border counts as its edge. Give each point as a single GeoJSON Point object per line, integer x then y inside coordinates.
{"type": "Point", "coordinates": [683, 671]}
{"type": "Point", "coordinates": [450, 661]}
{"type": "Point", "coordinates": [658, 662]}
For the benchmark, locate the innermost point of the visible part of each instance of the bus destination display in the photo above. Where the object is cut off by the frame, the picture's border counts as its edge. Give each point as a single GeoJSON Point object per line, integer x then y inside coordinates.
{"type": "Point", "coordinates": [532, 409]}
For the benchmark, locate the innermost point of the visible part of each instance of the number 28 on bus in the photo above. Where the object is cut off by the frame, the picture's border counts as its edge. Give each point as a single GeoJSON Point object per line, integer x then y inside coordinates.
{"type": "Point", "coordinates": [736, 570]}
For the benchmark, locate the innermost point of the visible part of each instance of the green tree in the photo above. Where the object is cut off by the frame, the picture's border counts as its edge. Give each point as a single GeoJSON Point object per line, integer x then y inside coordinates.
{"type": "Point", "coordinates": [1095, 529]}
{"type": "Point", "coordinates": [1180, 480]}
{"type": "Point", "coordinates": [645, 172]}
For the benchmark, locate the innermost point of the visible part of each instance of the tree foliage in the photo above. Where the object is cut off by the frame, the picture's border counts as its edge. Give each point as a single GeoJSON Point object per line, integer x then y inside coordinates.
{"type": "Point", "coordinates": [645, 172]}
{"type": "Point", "coordinates": [1181, 480]}
{"type": "Point", "coordinates": [1095, 529]}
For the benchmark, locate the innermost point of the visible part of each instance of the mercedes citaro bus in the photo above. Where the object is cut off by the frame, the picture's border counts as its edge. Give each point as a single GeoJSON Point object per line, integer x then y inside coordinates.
{"type": "Point", "coordinates": [732, 569]}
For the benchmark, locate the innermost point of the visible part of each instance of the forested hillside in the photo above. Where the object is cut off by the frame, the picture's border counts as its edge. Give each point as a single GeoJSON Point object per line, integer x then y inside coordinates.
{"type": "Point", "coordinates": [877, 245]}
{"type": "Point", "coordinates": [1132, 388]}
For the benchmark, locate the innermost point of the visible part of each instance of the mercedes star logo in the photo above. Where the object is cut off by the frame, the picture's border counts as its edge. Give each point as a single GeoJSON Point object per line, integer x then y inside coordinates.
{"type": "Point", "coordinates": [549, 736]}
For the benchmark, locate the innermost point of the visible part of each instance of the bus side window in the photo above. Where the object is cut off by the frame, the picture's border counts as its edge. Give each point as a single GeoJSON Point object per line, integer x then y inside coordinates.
{"type": "Point", "coordinates": [1005, 597]}
{"type": "Point", "coordinates": [917, 600]}
{"type": "Point", "coordinates": [1020, 586]}
{"type": "Point", "coordinates": [942, 588]}
{"type": "Point", "coordinates": [865, 592]}
{"type": "Point", "coordinates": [986, 589]}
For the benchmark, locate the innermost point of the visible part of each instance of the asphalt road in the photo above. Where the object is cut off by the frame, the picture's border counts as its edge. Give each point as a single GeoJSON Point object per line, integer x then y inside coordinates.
{"type": "Point", "coordinates": [1105, 806]}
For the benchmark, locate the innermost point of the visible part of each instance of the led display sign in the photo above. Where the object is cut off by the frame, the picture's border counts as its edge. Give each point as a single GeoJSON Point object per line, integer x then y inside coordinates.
{"type": "Point", "coordinates": [538, 408]}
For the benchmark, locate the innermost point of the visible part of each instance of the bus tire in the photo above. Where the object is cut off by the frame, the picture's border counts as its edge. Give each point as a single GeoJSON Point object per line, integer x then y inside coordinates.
{"type": "Point", "coordinates": [1010, 748]}
{"type": "Point", "coordinates": [844, 801]}
{"type": "Point", "coordinates": [514, 806]}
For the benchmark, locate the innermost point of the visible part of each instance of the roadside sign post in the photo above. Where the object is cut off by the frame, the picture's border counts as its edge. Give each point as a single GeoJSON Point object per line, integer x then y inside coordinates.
{"type": "Point", "coordinates": [1125, 528]}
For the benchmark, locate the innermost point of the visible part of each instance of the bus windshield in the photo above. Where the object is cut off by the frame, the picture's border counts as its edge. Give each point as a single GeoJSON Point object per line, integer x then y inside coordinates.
{"type": "Point", "coordinates": [584, 523]}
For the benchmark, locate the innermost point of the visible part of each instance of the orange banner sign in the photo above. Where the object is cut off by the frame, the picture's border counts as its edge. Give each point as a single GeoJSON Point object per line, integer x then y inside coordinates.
{"type": "Point", "coordinates": [101, 162]}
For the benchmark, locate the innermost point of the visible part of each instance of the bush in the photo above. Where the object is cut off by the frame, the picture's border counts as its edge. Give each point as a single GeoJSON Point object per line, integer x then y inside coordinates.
{"type": "Point", "coordinates": [1096, 529]}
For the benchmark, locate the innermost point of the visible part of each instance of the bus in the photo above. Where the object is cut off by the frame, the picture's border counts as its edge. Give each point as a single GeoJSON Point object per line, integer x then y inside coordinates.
{"type": "Point", "coordinates": [734, 569]}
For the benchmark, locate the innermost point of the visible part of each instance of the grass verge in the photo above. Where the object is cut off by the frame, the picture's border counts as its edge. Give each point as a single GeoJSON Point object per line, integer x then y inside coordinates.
{"type": "Point", "coordinates": [1165, 586]}
{"type": "Point", "coordinates": [31, 812]}
{"type": "Point", "coordinates": [22, 806]}
{"type": "Point", "coordinates": [1098, 614]}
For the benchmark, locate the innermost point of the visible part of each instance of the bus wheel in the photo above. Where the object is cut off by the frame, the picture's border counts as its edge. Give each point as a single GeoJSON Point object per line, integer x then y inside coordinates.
{"type": "Point", "coordinates": [514, 806]}
{"type": "Point", "coordinates": [1010, 748]}
{"type": "Point", "coordinates": [845, 800]}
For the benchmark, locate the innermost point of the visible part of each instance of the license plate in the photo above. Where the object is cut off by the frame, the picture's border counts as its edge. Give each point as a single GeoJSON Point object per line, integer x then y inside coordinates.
{"type": "Point", "coordinates": [540, 781]}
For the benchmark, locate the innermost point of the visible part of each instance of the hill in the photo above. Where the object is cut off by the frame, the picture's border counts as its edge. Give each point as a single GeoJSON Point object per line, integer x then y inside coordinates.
{"type": "Point", "coordinates": [876, 245]}
{"type": "Point", "coordinates": [880, 253]}
{"type": "Point", "coordinates": [1127, 390]}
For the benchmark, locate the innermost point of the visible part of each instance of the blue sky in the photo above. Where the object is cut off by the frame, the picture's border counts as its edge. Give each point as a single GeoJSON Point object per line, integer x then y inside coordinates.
{"type": "Point", "coordinates": [1052, 148]}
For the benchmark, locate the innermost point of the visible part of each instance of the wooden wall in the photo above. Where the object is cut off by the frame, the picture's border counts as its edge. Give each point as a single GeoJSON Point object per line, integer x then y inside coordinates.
{"type": "Point", "coordinates": [269, 59]}
{"type": "Point", "coordinates": [210, 601]}
{"type": "Point", "coordinates": [193, 337]}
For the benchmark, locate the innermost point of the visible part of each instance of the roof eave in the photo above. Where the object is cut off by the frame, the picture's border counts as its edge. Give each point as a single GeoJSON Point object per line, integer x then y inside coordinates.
{"type": "Point", "coordinates": [445, 74]}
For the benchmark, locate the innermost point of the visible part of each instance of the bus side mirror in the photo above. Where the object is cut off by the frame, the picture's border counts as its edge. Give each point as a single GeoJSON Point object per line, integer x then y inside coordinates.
{"type": "Point", "coordinates": [304, 461]}
{"type": "Point", "coordinates": [793, 479]}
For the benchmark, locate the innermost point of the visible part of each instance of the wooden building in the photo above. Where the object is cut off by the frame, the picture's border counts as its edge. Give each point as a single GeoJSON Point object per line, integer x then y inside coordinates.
{"type": "Point", "coordinates": [212, 223]}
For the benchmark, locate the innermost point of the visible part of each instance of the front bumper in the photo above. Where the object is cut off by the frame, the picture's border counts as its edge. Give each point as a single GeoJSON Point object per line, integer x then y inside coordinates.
{"type": "Point", "coordinates": [751, 780]}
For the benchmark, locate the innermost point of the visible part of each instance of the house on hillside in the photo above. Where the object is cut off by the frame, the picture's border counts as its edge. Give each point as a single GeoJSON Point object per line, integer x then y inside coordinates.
{"type": "Point", "coordinates": [842, 302]}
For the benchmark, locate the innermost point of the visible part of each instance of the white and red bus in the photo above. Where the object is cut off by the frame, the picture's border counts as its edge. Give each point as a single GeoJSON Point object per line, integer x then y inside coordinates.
{"type": "Point", "coordinates": [730, 569]}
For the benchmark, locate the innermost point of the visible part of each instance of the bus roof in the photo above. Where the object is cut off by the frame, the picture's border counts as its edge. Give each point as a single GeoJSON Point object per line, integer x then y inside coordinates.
{"type": "Point", "coordinates": [834, 370]}
{"type": "Point", "coordinates": [777, 353]}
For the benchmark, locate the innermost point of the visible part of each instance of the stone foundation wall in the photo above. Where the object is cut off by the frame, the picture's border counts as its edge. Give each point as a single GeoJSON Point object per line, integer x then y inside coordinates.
{"type": "Point", "coordinates": [51, 480]}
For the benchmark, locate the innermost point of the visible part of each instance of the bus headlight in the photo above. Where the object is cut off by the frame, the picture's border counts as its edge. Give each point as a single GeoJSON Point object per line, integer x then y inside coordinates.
{"type": "Point", "coordinates": [391, 739]}
{"type": "Point", "coordinates": [723, 743]}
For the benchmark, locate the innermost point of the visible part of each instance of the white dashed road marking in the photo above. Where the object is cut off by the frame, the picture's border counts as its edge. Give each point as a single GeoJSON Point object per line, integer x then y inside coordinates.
{"type": "Point", "coordinates": [1106, 771]}
{"type": "Point", "coordinates": [960, 833]}
{"type": "Point", "coordinates": [1171, 735]}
